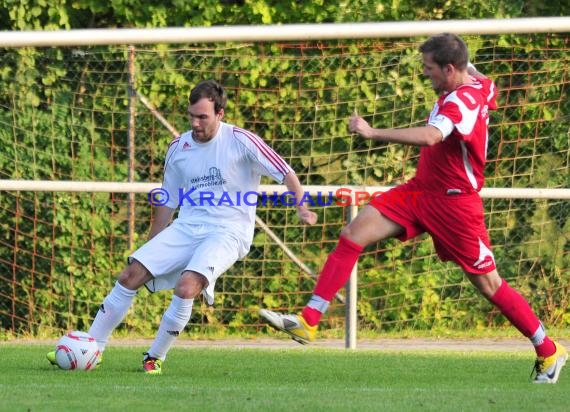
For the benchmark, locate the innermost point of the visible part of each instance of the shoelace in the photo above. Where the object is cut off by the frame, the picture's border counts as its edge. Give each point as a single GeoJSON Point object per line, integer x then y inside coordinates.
{"type": "Point", "coordinates": [538, 366]}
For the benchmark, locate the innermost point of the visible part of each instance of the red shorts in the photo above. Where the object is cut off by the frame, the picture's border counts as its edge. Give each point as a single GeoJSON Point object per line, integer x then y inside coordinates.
{"type": "Point", "coordinates": [455, 222]}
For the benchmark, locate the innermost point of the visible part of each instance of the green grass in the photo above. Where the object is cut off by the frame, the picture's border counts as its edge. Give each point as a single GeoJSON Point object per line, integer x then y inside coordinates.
{"type": "Point", "coordinates": [311, 379]}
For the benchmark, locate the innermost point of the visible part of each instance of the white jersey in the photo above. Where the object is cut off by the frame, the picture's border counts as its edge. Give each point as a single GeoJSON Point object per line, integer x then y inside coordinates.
{"type": "Point", "coordinates": [217, 182]}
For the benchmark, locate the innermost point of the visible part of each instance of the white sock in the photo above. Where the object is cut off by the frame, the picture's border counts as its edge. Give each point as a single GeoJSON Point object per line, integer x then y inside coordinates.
{"type": "Point", "coordinates": [539, 335]}
{"type": "Point", "coordinates": [173, 322]}
{"type": "Point", "coordinates": [113, 310]}
{"type": "Point", "coordinates": [318, 303]}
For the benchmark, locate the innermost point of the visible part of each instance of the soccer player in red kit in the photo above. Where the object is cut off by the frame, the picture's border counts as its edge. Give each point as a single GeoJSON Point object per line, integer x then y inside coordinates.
{"type": "Point", "coordinates": [449, 177]}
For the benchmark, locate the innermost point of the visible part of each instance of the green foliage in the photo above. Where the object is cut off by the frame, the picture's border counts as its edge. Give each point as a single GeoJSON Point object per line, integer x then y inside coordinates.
{"type": "Point", "coordinates": [61, 14]}
{"type": "Point", "coordinates": [64, 116]}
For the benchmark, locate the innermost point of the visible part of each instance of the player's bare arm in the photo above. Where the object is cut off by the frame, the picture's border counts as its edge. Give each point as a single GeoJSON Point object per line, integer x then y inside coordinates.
{"type": "Point", "coordinates": [416, 136]}
{"type": "Point", "coordinates": [293, 185]}
{"type": "Point", "coordinates": [162, 217]}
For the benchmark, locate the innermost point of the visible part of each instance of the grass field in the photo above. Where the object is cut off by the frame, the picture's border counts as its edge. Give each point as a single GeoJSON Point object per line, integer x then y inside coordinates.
{"type": "Point", "coordinates": [249, 379]}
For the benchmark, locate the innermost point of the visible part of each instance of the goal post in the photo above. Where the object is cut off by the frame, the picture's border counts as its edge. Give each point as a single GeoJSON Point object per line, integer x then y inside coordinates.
{"type": "Point", "coordinates": [282, 32]}
{"type": "Point", "coordinates": [313, 190]}
{"type": "Point", "coordinates": [82, 151]}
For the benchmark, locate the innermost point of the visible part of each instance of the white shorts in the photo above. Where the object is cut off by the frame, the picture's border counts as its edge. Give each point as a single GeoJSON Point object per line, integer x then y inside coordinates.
{"type": "Point", "coordinates": [204, 249]}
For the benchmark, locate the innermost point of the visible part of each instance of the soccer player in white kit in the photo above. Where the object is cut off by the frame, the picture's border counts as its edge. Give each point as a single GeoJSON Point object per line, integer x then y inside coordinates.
{"type": "Point", "coordinates": [211, 174]}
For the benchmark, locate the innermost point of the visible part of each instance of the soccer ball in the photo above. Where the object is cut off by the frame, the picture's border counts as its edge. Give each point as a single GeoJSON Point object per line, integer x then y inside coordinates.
{"type": "Point", "coordinates": [77, 351]}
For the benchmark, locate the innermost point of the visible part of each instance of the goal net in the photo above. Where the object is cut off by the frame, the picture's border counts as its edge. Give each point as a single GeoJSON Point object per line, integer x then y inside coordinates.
{"type": "Point", "coordinates": [107, 114]}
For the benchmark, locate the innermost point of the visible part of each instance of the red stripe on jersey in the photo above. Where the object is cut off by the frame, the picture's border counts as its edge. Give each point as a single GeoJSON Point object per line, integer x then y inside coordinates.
{"type": "Point", "coordinates": [174, 141]}
{"type": "Point", "coordinates": [267, 151]}
{"type": "Point", "coordinates": [171, 150]}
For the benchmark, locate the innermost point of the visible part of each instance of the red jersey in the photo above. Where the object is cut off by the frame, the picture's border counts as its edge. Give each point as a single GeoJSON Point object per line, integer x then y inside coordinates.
{"type": "Point", "coordinates": [456, 164]}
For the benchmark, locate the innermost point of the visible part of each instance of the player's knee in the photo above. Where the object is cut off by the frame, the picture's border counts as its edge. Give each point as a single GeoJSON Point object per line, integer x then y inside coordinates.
{"type": "Point", "coordinates": [347, 232]}
{"type": "Point", "coordinates": [357, 235]}
{"type": "Point", "coordinates": [190, 285]}
{"type": "Point", "coordinates": [134, 276]}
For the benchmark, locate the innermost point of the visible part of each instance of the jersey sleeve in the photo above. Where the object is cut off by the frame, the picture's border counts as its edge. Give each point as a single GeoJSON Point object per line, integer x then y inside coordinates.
{"type": "Point", "coordinates": [490, 92]}
{"type": "Point", "coordinates": [265, 160]}
{"type": "Point", "coordinates": [461, 110]}
{"type": "Point", "coordinates": [443, 123]}
{"type": "Point", "coordinates": [171, 181]}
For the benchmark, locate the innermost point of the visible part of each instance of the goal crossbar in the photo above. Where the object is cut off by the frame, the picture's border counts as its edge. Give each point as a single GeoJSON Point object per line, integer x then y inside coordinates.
{"type": "Point", "coordinates": [284, 32]}
{"type": "Point", "coordinates": [313, 190]}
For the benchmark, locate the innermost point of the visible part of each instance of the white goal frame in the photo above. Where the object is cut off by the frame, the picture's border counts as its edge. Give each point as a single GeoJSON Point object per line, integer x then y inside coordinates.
{"type": "Point", "coordinates": [286, 32]}
{"type": "Point", "coordinates": [283, 32]}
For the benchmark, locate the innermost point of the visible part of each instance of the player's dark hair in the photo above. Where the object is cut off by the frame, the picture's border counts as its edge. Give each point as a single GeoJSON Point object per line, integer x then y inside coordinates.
{"type": "Point", "coordinates": [447, 48]}
{"type": "Point", "coordinates": [211, 90]}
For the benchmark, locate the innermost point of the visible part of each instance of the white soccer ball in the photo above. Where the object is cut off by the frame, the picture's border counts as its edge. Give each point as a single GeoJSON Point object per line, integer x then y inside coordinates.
{"type": "Point", "coordinates": [77, 351]}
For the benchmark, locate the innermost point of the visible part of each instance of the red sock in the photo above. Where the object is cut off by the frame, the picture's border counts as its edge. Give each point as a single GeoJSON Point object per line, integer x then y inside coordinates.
{"type": "Point", "coordinates": [311, 315]}
{"type": "Point", "coordinates": [517, 310]}
{"type": "Point", "coordinates": [546, 348]}
{"type": "Point", "coordinates": [334, 275]}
